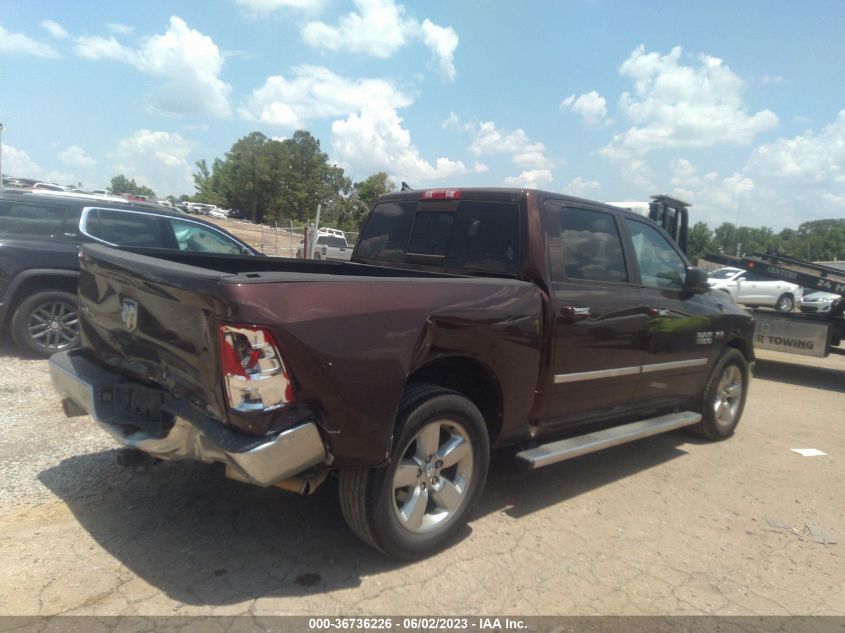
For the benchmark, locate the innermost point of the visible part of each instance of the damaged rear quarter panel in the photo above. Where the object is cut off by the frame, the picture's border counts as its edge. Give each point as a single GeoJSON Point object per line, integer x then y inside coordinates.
{"type": "Point", "coordinates": [350, 345]}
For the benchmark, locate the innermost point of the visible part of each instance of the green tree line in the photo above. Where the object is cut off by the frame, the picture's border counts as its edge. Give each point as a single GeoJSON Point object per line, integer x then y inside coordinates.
{"type": "Point", "coordinates": [817, 240]}
{"type": "Point", "coordinates": [284, 180]}
{"type": "Point", "coordinates": [281, 181]}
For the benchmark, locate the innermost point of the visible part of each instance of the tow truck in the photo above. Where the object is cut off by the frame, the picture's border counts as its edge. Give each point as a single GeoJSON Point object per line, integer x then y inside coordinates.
{"type": "Point", "coordinates": [807, 334]}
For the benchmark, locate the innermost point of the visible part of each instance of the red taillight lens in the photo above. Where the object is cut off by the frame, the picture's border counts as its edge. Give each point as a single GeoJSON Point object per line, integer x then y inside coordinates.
{"type": "Point", "coordinates": [441, 194]}
{"type": "Point", "coordinates": [253, 372]}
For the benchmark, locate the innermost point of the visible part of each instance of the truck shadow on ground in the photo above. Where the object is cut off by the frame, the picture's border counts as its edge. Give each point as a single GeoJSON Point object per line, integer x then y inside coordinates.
{"type": "Point", "coordinates": [801, 375]}
{"type": "Point", "coordinates": [204, 540]}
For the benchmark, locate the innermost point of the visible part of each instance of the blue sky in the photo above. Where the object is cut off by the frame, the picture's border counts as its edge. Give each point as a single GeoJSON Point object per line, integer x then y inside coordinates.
{"type": "Point", "coordinates": [738, 107]}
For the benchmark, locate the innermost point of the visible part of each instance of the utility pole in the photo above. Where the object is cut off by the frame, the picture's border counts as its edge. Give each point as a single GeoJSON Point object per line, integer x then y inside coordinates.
{"type": "Point", "coordinates": [313, 238]}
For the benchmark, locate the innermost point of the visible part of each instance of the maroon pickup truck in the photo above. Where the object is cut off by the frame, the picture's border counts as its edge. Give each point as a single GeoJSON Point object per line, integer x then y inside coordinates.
{"type": "Point", "coordinates": [467, 320]}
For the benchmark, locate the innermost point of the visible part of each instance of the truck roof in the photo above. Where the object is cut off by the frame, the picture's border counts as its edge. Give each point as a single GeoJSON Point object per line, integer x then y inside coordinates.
{"type": "Point", "coordinates": [509, 194]}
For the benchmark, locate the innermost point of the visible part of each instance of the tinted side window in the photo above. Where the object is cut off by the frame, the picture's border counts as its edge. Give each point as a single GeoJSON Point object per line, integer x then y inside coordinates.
{"type": "Point", "coordinates": [196, 237]}
{"type": "Point", "coordinates": [660, 265]}
{"type": "Point", "coordinates": [125, 228]}
{"type": "Point", "coordinates": [590, 245]}
{"type": "Point", "coordinates": [35, 220]}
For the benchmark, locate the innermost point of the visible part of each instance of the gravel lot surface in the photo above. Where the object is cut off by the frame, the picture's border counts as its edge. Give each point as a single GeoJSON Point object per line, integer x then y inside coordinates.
{"type": "Point", "coordinates": [668, 525]}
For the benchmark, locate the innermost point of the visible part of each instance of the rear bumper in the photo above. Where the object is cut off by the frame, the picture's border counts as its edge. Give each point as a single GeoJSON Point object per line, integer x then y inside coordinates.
{"type": "Point", "coordinates": [151, 420]}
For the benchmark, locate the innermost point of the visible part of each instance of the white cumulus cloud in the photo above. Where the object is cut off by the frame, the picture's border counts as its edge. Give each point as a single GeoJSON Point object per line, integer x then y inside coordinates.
{"type": "Point", "coordinates": [76, 156]}
{"type": "Point", "coordinates": [16, 162]}
{"type": "Point", "coordinates": [156, 159]}
{"type": "Point", "coordinates": [381, 27]}
{"type": "Point", "coordinates": [581, 188]}
{"type": "Point", "coordinates": [676, 105]}
{"type": "Point", "coordinates": [188, 62]}
{"type": "Point", "coordinates": [809, 159]}
{"type": "Point", "coordinates": [54, 29]}
{"type": "Point", "coordinates": [531, 179]}
{"type": "Point", "coordinates": [315, 92]}
{"type": "Point", "coordinates": [591, 106]}
{"type": "Point", "coordinates": [488, 140]}
{"type": "Point", "coordinates": [22, 44]}
{"type": "Point", "coordinates": [374, 140]}
{"type": "Point", "coordinates": [120, 29]}
{"type": "Point", "coordinates": [268, 6]}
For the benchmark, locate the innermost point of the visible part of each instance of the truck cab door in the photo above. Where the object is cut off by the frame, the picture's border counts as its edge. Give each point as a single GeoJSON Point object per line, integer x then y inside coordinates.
{"type": "Point", "coordinates": [682, 327]}
{"type": "Point", "coordinates": [597, 321]}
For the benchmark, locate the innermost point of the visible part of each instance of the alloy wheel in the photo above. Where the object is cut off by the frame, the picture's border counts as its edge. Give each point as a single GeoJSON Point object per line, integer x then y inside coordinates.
{"type": "Point", "coordinates": [433, 476]}
{"type": "Point", "coordinates": [728, 397]}
{"type": "Point", "coordinates": [53, 325]}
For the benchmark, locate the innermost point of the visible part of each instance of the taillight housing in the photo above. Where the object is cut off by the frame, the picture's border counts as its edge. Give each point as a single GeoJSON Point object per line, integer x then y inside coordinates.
{"type": "Point", "coordinates": [254, 376]}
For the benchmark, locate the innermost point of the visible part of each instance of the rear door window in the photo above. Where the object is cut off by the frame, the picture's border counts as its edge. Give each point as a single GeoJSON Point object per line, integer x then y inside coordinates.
{"type": "Point", "coordinates": [476, 236]}
{"type": "Point", "coordinates": [126, 228]}
{"type": "Point", "coordinates": [33, 220]}
{"type": "Point", "coordinates": [590, 247]}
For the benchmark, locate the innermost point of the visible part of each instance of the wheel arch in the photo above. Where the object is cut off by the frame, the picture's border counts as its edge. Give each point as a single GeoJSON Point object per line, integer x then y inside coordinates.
{"type": "Point", "coordinates": [470, 378]}
{"type": "Point", "coordinates": [743, 346]}
{"type": "Point", "coordinates": [38, 280]}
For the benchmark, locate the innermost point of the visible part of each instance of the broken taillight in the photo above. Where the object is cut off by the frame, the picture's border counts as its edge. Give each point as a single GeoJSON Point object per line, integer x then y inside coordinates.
{"type": "Point", "coordinates": [254, 376]}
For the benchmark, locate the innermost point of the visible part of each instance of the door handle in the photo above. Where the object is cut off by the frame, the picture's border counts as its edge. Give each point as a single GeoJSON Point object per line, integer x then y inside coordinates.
{"type": "Point", "coordinates": [575, 313]}
{"type": "Point", "coordinates": [657, 312]}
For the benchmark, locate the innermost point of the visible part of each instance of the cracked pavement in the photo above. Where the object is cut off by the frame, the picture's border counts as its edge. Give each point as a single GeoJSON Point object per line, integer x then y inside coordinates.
{"type": "Point", "coordinates": [665, 526]}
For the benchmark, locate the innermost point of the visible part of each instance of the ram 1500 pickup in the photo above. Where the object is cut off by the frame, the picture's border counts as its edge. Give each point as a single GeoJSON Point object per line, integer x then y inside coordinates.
{"type": "Point", "coordinates": [468, 319]}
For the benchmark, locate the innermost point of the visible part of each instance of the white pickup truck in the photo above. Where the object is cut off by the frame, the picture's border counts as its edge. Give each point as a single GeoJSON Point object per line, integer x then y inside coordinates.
{"type": "Point", "coordinates": [331, 244]}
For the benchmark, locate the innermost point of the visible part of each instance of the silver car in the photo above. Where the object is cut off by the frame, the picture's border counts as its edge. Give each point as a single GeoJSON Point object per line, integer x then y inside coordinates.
{"type": "Point", "coordinates": [818, 301]}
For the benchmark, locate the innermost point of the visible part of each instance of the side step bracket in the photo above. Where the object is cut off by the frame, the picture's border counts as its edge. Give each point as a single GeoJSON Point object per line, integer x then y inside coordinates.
{"type": "Point", "coordinates": [571, 447]}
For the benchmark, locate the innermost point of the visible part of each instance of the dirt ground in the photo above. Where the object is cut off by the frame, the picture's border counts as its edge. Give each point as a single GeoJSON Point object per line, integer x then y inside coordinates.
{"type": "Point", "coordinates": [668, 525]}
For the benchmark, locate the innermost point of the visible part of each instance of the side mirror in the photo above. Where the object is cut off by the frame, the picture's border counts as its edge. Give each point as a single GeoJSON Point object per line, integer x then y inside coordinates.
{"type": "Point", "coordinates": [696, 281]}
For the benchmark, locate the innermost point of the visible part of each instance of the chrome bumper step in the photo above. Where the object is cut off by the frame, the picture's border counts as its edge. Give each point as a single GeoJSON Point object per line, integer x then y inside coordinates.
{"type": "Point", "coordinates": [571, 447]}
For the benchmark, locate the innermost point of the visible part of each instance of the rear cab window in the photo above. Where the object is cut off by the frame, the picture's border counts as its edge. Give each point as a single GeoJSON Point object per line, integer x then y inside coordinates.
{"type": "Point", "coordinates": [477, 236]}
{"type": "Point", "coordinates": [332, 240]}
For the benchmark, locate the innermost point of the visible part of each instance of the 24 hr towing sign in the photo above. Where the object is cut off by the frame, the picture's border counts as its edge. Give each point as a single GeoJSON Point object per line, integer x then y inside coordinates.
{"type": "Point", "coordinates": [782, 334]}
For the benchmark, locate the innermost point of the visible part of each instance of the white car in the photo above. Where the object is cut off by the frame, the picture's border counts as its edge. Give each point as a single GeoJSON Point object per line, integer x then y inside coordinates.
{"type": "Point", "coordinates": [752, 289]}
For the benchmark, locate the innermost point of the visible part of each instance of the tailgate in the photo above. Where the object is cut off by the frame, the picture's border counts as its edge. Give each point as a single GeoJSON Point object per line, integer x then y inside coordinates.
{"type": "Point", "coordinates": [155, 321]}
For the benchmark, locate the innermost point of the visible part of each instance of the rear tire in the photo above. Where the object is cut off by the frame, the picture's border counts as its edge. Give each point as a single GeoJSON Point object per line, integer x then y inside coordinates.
{"type": "Point", "coordinates": [724, 397]}
{"type": "Point", "coordinates": [785, 303]}
{"type": "Point", "coordinates": [46, 322]}
{"type": "Point", "coordinates": [425, 495]}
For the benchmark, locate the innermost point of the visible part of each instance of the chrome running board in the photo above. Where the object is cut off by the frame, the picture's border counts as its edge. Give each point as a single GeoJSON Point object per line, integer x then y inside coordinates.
{"type": "Point", "coordinates": [562, 450]}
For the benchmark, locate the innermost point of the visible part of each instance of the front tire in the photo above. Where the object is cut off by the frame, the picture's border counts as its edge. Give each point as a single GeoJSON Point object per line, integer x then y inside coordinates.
{"type": "Point", "coordinates": [724, 396]}
{"type": "Point", "coordinates": [46, 322]}
{"type": "Point", "coordinates": [425, 495]}
{"type": "Point", "coordinates": [785, 303]}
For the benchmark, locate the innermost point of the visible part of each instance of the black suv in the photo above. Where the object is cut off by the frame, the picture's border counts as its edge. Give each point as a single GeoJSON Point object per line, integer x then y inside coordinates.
{"type": "Point", "coordinates": [39, 236]}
